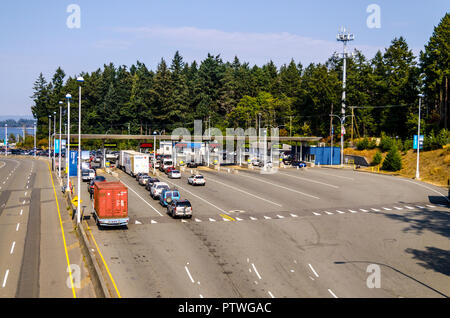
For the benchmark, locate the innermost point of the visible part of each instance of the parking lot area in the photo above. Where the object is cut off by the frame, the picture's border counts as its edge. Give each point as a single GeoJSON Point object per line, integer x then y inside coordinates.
{"type": "Point", "coordinates": [295, 233]}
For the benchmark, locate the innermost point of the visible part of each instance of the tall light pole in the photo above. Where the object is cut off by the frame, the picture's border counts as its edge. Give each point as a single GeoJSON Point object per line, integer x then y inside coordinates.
{"type": "Point", "coordinates": [34, 139]}
{"type": "Point", "coordinates": [154, 150]}
{"type": "Point", "coordinates": [79, 80]}
{"type": "Point", "coordinates": [418, 140]}
{"type": "Point", "coordinates": [6, 140]}
{"type": "Point", "coordinates": [49, 142]}
{"type": "Point", "coordinates": [68, 97]}
{"type": "Point", "coordinates": [54, 141]}
{"type": "Point", "coordinates": [344, 37]}
{"type": "Point", "coordinates": [60, 148]}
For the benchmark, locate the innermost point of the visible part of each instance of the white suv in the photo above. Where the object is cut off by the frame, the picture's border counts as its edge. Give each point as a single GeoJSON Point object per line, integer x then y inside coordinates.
{"type": "Point", "coordinates": [156, 189]}
{"type": "Point", "coordinates": [196, 179]}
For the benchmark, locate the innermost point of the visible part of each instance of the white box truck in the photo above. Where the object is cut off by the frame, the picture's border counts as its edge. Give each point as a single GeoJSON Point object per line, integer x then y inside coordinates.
{"type": "Point", "coordinates": [135, 162]}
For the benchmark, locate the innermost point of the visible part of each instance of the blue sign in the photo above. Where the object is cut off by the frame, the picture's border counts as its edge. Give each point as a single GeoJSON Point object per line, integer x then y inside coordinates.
{"type": "Point", "coordinates": [420, 142]}
{"type": "Point", "coordinates": [73, 161]}
{"type": "Point", "coordinates": [56, 145]}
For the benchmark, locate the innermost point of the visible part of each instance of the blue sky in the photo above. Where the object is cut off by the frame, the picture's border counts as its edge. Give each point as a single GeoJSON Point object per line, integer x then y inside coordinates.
{"type": "Point", "coordinates": [35, 38]}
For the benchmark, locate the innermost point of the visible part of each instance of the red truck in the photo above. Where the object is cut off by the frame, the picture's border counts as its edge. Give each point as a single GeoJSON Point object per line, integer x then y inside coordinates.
{"type": "Point", "coordinates": [111, 204]}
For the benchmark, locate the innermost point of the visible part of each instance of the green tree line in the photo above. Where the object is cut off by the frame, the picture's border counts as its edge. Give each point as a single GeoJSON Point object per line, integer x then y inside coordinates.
{"type": "Point", "coordinates": [296, 98]}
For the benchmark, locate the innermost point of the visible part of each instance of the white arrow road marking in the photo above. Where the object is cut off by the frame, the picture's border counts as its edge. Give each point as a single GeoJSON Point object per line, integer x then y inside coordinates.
{"type": "Point", "coordinates": [318, 214]}
{"type": "Point", "coordinates": [294, 215]}
{"type": "Point", "coordinates": [253, 219]}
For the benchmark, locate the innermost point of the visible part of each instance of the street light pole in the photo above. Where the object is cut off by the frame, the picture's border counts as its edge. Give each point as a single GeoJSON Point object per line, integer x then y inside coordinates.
{"type": "Point", "coordinates": [54, 141]}
{"type": "Point", "coordinates": [79, 80]}
{"type": "Point", "coordinates": [418, 140]}
{"type": "Point", "coordinates": [344, 37]}
{"type": "Point", "coordinates": [34, 139]}
{"type": "Point", "coordinates": [68, 97]}
{"type": "Point", "coordinates": [49, 142]}
{"type": "Point", "coordinates": [60, 148]}
{"type": "Point", "coordinates": [6, 140]}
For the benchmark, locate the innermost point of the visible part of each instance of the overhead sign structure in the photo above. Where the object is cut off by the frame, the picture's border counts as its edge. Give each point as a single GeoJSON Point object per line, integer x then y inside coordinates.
{"type": "Point", "coordinates": [111, 145]}
{"type": "Point", "coordinates": [146, 145]}
{"type": "Point", "coordinates": [420, 142]}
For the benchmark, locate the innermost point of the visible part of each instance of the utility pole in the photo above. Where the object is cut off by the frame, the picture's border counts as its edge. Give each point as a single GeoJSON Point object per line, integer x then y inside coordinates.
{"type": "Point", "coordinates": [6, 140]}
{"type": "Point", "coordinates": [34, 139]}
{"type": "Point", "coordinates": [344, 37]}
{"type": "Point", "coordinates": [331, 136]}
{"type": "Point", "coordinates": [49, 142]}
{"type": "Point", "coordinates": [352, 122]}
{"type": "Point", "coordinates": [418, 140]}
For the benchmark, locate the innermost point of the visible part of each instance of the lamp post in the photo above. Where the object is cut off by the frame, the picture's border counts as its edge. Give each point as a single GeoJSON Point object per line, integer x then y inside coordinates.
{"type": "Point", "coordinates": [418, 140]}
{"type": "Point", "coordinates": [54, 141]}
{"type": "Point", "coordinates": [154, 150]}
{"type": "Point", "coordinates": [79, 80]}
{"type": "Point", "coordinates": [68, 98]}
{"type": "Point", "coordinates": [49, 142]}
{"type": "Point", "coordinates": [60, 149]}
{"type": "Point", "coordinates": [34, 139]}
{"type": "Point", "coordinates": [344, 37]}
{"type": "Point", "coordinates": [6, 140]}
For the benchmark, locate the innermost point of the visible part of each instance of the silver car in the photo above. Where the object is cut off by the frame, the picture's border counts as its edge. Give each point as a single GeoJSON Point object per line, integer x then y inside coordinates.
{"type": "Point", "coordinates": [156, 189]}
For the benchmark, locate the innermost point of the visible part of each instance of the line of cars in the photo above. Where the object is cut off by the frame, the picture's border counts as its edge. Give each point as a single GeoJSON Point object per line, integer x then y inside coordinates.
{"type": "Point", "coordinates": [170, 198]}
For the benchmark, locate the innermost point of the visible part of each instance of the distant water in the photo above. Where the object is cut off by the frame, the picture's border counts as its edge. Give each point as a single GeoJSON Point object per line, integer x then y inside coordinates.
{"type": "Point", "coordinates": [15, 131]}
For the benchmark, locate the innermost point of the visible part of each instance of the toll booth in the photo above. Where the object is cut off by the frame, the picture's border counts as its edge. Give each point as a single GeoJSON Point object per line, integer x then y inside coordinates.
{"type": "Point", "coordinates": [317, 155]}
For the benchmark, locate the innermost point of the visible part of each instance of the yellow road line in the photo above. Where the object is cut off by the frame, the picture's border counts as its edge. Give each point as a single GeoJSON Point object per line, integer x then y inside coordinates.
{"type": "Point", "coordinates": [62, 232]}
{"type": "Point", "coordinates": [227, 217]}
{"type": "Point", "coordinates": [106, 266]}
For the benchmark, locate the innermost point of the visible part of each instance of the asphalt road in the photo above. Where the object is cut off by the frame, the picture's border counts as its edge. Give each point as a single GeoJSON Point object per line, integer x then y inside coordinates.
{"type": "Point", "coordinates": [298, 233]}
{"type": "Point", "coordinates": [34, 252]}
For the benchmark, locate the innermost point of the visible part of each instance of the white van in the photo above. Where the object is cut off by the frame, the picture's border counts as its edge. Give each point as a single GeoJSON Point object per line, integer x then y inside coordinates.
{"type": "Point", "coordinates": [166, 164]}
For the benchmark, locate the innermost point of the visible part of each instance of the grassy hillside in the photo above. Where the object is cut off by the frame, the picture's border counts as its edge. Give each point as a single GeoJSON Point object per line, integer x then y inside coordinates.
{"type": "Point", "coordinates": [434, 165]}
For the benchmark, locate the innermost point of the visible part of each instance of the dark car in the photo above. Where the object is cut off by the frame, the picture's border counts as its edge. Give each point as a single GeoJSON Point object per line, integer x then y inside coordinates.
{"type": "Point", "coordinates": [150, 183]}
{"type": "Point", "coordinates": [300, 164]}
{"type": "Point", "coordinates": [192, 165]}
{"type": "Point", "coordinates": [140, 174]}
{"type": "Point", "coordinates": [91, 184]}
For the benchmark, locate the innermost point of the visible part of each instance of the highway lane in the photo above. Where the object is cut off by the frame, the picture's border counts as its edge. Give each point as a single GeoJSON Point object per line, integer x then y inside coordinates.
{"type": "Point", "coordinates": [303, 256]}
{"type": "Point", "coordinates": [33, 256]}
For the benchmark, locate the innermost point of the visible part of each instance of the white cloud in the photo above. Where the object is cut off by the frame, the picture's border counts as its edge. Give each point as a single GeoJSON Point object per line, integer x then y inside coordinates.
{"type": "Point", "coordinates": [253, 47]}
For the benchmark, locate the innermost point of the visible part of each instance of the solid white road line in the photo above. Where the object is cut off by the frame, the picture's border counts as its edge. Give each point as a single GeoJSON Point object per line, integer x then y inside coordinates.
{"type": "Point", "coordinates": [315, 273]}
{"type": "Point", "coordinates": [256, 271]}
{"type": "Point", "coordinates": [248, 193]}
{"type": "Point", "coordinates": [17, 227]}
{"type": "Point", "coordinates": [141, 197]}
{"type": "Point", "coordinates": [330, 174]}
{"type": "Point", "coordinates": [280, 186]}
{"type": "Point", "coordinates": [6, 278]}
{"type": "Point", "coordinates": [221, 210]}
{"type": "Point", "coordinates": [331, 292]}
{"type": "Point", "coordinates": [189, 274]}
{"type": "Point", "coordinates": [363, 210]}
{"type": "Point", "coordinates": [310, 180]}
{"type": "Point", "coordinates": [422, 185]}
{"type": "Point", "coordinates": [12, 248]}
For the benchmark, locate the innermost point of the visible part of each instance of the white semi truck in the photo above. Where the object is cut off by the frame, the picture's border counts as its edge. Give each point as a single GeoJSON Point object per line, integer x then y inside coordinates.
{"type": "Point", "coordinates": [133, 162]}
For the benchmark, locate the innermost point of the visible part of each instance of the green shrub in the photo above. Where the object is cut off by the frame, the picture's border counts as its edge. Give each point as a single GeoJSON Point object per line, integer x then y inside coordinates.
{"type": "Point", "coordinates": [432, 141]}
{"type": "Point", "coordinates": [386, 142]}
{"type": "Point", "coordinates": [372, 144]}
{"type": "Point", "coordinates": [393, 160]}
{"type": "Point", "coordinates": [362, 144]}
{"type": "Point", "coordinates": [377, 158]}
{"type": "Point", "coordinates": [408, 144]}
